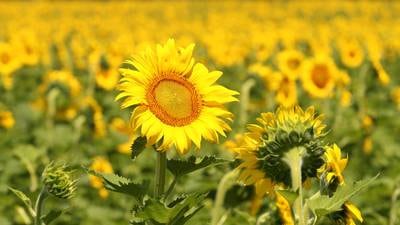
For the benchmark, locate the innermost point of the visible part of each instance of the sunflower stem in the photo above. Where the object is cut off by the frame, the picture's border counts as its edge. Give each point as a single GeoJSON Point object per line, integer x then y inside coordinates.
{"type": "Point", "coordinates": [244, 100]}
{"type": "Point", "coordinates": [40, 205]}
{"type": "Point", "coordinates": [161, 165]}
{"type": "Point", "coordinates": [294, 158]}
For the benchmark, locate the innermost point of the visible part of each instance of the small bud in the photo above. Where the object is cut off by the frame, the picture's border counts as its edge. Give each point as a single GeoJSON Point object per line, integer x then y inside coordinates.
{"type": "Point", "coordinates": [58, 181]}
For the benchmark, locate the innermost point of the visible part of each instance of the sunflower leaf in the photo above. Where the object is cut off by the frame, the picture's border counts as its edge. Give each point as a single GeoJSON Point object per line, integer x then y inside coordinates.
{"type": "Point", "coordinates": [137, 147]}
{"type": "Point", "coordinates": [119, 184]}
{"type": "Point", "coordinates": [181, 167]}
{"type": "Point", "coordinates": [178, 212]}
{"type": "Point", "coordinates": [51, 216]}
{"type": "Point", "coordinates": [323, 204]}
{"type": "Point", "coordinates": [25, 199]}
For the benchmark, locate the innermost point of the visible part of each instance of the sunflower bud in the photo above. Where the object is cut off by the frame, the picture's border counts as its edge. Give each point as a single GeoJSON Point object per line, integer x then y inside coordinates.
{"type": "Point", "coordinates": [58, 181]}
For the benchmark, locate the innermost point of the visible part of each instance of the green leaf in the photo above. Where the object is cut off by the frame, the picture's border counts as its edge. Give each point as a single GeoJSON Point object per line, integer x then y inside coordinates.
{"type": "Point", "coordinates": [323, 204]}
{"type": "Point", "coordinates": [51, 216]}
{"type": "Point", "coordinates": [116, 183]}
{"type": "Point", "coordinates": [25, 199]}
{"type": "Point", "coordinates": [289, 195]}
{"type": "Point", "coordinates": [182, 167]}
{"type": "Point", "coordinates": [137, 147]}
{"type": "Point", "coordinates": [178, 212]}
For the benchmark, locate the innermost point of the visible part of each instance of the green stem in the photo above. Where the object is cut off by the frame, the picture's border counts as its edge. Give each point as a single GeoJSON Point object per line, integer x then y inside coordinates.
{"type": "Point", "coordinates": [226, 182]}
{"type": "Point", "coordinates": [161, 165]}
{"type": "Point", "coordinates": [171, 187]}
{"type": "Point", "coordinates": [40, 205]}
{"type": "Point", "coordinates": [244, 100]}
{"type": "Point", "coordinates": [294, 158]}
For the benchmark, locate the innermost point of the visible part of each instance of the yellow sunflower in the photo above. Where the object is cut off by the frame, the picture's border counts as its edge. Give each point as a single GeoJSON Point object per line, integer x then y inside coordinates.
{"type": "Point", "coordinates": [351, 53]}
{"type": "Point", "coordinates": [351, 213]}
{"type": "Point", "coordinates": [334, 165]}
{"type": "Point", "coordinates": [266, 143]}
{"type": "Point", "coordinates": [6, 119]}
{"type": "Point", "coordinates": [175, 101]}
{"type": "Point", "coordinates": [319, 76]}
{"type": "Point", "coordinates": [289, 62]}
{"type": "Point", "coordinates": [9, 61]}
{"type": "Point", "coordinates": [285, 212]}
{"type": "Point", "coordinates": [286, 95]}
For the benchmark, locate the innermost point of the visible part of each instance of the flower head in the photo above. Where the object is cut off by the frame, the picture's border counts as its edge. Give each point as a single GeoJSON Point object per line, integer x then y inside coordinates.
{"type": "Point", "coordinates": [331, 171]}
{"type": "Point", "coordinates": [267, 142]}
{"type": "Point", "coordinates": [58, 181]}
{"type": "Point", "coordinates": [176, 102]}
{"type": "Point", "coordinates": [319, 77]}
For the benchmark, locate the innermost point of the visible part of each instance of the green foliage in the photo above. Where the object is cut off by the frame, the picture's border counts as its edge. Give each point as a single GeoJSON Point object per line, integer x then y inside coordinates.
{"type": "Point", "coordinates": [25, 199]}
{"type": "Point", "coordinates": [323, 205]}
{"type": "Point", "coordinates": [177, 212]}
{"type": "Point", "coordinates": [182, 167]}
{"type": "Point", "coordinates": [119, 184]}
{"type": "Point", "coordinates": [51, 216]}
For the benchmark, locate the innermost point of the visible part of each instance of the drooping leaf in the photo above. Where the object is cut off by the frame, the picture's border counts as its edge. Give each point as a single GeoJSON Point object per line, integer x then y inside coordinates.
{"type": "Point", "coordinates": [116, 183]}
{"type": "Point", "coordinates": [182, 167]}
{"type": "Point", "coordinates": [178, 212]}
{"type": "Point", "coordinates": [289, 195]}
{"type": "Point", "coordinates": [25, 199]}
{"type": "Point", "coordinates": [137, 147]}
{"type": "Point", "coordinates": [51, 216]}
{"type": "Point", "coordinates": [323, 204]}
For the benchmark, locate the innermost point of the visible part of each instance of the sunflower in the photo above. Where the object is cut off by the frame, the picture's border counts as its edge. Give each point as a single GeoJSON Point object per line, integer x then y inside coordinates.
{"type": "Point", "coordinates": [267, 142]}
{"type": "Point", "coordinates": [351, 53]}
{"type": "Point", "coordinates": [106, 75]}
{"type": "Point", "coordinates": [9, 61]}
{"type": "Point", "coordinates": [347, 215]}
{"type": "Point", "coordinates": [285, 212]}
{"type": "Point", "coordinates": [286, 95]}
{"type": "Point", "coordinates": [319, 77]}
{"type": "Point", "coordinates": [175, 101]}
{"type": "Point", "coordinates": [289, 63]}
{"type": "Point", "coordinates": [331, 171]}
{"type": "Point", "coordinates": [6, 119]}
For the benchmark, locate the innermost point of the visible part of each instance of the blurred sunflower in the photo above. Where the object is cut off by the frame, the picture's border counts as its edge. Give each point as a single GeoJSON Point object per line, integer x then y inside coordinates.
{"type": "Point", "coordinates": [285, 212]}
{"type": "Point", "coordinates": [6, 119]}
{"type": "Point", "coordinates": [351, 53]}
{"type": "Point", "coordinates": [331, 171]}
{"type": "Point", "coordinates": [106, 76]}
{"type": "Point", "coordinates": [289, 63]}
{"type": "Point", "coordinates": [267, 142]}
{"type": "Point", "coordinates": [9, 60]}
{"type": "Point", "coordinates": [319, 77]}
{"type": "Point", "coordinates": [176, 102]}
{"type": "Point", "coordinates": [286, 95]}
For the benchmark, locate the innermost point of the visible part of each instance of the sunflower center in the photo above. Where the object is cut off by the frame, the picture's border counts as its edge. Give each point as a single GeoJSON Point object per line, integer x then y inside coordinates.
{"type": "Point", "coordinates": [320, 76]}
{"type": "Point", "coordinates": [174, 100]}
{"type": "Point", "coordinates": [293, 63]}
{"type": "Point", "coordinates": [5, 58]}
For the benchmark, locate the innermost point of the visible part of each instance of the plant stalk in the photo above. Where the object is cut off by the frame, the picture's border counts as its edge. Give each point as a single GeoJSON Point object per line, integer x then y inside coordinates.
{"type": "Point", "coordinates": [161, 165]}
{"type": "Point", "coordinates": [40, 205]}
{"type": "Point", "coordinates": [294, 158]}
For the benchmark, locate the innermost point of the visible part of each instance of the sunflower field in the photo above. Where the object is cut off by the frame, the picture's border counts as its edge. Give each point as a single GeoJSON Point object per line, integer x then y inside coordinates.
{"type": "Point", "coordinates": [199, 112]}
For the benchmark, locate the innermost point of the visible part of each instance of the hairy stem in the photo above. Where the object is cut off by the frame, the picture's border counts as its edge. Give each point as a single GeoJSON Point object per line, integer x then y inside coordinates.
{"type": "Point", "coordinates": [161, 165]}
{"type": "Point", "coordinates": [40, 205]}
{"type": "Point", "coordinates": [226, 182]}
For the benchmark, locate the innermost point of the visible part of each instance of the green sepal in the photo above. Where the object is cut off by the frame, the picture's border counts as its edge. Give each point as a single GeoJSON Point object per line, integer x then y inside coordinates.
{"type": "Point", "coordinates": [137, 147]}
